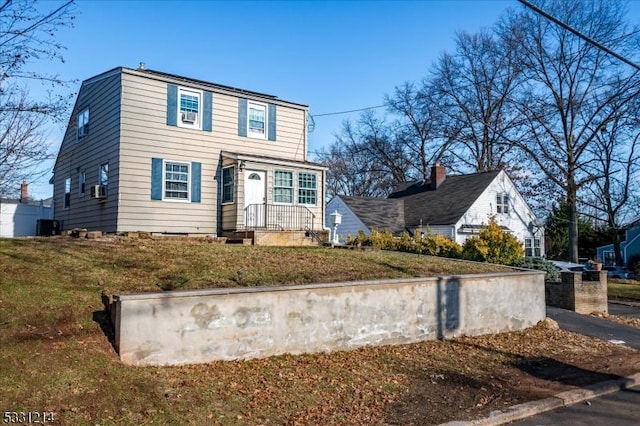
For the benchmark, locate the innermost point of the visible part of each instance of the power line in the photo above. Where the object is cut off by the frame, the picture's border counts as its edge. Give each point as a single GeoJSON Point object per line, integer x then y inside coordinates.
{"type": "Point", "coordinates": [579, 34]}
{"type": "Point", "coordinates": [347, 112]}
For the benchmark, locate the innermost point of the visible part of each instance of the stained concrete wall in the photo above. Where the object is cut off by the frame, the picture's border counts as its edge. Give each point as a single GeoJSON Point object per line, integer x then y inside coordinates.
{"type": "Point", "coordinates": [225, 324]}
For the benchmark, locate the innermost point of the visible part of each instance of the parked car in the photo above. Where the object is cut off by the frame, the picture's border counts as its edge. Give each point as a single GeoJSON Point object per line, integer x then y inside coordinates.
{"type": "Point", "coordinates": [619, 272]}
{"type": "Point", "coordinates": [562, 266]}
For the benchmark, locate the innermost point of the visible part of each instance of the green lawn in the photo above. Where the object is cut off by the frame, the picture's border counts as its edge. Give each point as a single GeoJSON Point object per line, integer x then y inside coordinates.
{"type": "Point", "coordinates": [624, 290]}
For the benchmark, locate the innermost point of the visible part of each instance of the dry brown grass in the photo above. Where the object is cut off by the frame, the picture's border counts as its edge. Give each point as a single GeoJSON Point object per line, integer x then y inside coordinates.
{"type": "Point", "coordinates": [55, 356]}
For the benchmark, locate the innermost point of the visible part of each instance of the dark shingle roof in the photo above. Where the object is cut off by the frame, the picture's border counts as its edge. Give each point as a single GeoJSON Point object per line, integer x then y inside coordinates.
{"type": "Point", "coordinates": [445, 205]}
{"type": "Point", "coordinates": [378, 213]}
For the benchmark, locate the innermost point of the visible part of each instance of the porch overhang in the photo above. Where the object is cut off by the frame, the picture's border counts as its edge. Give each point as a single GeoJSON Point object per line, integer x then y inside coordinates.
{"type": "Point", "coordinates": [272, 160]}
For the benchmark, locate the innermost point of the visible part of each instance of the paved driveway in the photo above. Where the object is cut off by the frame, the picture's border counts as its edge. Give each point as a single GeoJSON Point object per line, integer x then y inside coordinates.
{"type": "Point", "coordinates": [631, 310]}
{"type": "Point", "coordinates": [597, 327]}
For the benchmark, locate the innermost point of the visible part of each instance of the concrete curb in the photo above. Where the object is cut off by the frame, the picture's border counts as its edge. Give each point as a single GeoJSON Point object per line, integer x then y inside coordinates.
{"type": "Point", "coordinates": [559, 400]}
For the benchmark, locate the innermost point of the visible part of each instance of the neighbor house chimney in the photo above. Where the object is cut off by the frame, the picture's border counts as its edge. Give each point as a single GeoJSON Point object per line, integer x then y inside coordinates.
{"type": "Point", "coordinates": [24, 193]}
{"type": "Point", "coordinates": [438, 174]}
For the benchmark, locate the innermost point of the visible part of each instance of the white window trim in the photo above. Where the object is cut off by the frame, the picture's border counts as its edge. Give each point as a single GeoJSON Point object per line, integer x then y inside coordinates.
{"type": "Point", "coordinates": [67, 193]}
{"type": "Point", "coordinates": [82, 179]}
{"type": "Point", "coordinates": [502, 203]}
{"type": "Point", "coordinates": [292, 187]}
{"type": "Point", "coordinates": [530, 243]}
{"type": "Point", "coordinates": [233, 198]}
{"type": "Point", "coordinates": [164, 182]}
{"type": "Point", "coordinates": [82, 129]}
{"type": "Point", "coordinates": [257, 135]}
{"type": "Point", "coordinates": [100, 181]}
{"type": "Point", "coordinates": [314, 189]}
{"type": "Point", "coordinates": [198, 123]}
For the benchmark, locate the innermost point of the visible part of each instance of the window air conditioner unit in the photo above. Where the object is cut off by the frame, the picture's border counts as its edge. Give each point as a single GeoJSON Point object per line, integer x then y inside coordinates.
{"type": "Point", "coordinates": [189, 117]}
{"type": "Point", "coordinates": [99, 191]}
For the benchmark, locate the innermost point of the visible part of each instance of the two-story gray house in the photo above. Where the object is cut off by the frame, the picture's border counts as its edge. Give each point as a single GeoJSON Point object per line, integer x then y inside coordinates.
{"type": "Point", "coordinates": [156, 152]}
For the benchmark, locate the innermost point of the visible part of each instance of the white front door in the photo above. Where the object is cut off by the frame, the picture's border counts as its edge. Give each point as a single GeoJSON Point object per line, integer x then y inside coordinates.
{"type": "Point", "coordinates": [255, 187]}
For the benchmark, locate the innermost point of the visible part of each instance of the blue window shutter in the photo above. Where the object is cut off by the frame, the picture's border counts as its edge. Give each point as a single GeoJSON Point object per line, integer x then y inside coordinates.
{"type": "Point", "coordinates": [172, 105]}
{"type": "Point", "coordinates": [207, 111]}
{"type": "Point", "coordinates": [242, 117]}
{"type": "Point", "coordinates": [272, 122]}
{"type": "Point", "coordinates": [156, 178]}
{"type": "Point", "coordinates": [196, 169]}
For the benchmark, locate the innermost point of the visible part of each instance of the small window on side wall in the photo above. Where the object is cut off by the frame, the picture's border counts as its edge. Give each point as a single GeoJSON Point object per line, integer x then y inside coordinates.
{"type": "Point", "coordinates": [532, 247]}
{"type": "Point", "coordinates": [82, 178]}
{"type": "Point", "coordinates": [228, 182]}
{"type": "Point", "coordinates": [83, 123]}
{"type": "Point", "coordinates": [67, 192]}
{"type": "Point", "coordinates": [103, 174]}
{"type": "Point", "coordinates": [502, 203]}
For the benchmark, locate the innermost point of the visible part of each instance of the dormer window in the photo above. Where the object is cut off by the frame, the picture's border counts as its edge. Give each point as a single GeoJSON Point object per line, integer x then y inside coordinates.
{"type": "Point", "coordinates": [83, 123]}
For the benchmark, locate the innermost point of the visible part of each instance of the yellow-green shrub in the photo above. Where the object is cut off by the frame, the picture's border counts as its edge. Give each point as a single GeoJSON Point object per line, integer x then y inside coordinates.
{"type": "Point", "coordinates": [493, 245]}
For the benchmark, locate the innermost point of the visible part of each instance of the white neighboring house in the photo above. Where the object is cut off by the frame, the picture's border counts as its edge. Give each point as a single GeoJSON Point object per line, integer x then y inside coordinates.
{"type": "Point", "coordinates": [454, 206]}
{"type": "Point", "coordinates": [18, 218]}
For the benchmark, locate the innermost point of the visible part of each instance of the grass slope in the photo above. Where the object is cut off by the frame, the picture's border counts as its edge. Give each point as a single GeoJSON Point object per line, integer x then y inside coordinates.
{"type": "Point", "coordinates": [55, 357]}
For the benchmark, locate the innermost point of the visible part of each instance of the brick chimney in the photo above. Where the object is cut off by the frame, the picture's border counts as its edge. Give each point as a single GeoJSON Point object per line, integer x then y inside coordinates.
{"type": "Point", "coordinates": [24, 191]}
{"type": "Point", "coordinates": [438, 175]}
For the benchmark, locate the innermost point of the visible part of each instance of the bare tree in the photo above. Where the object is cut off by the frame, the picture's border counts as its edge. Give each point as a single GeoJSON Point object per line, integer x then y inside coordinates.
{"type": "Point", "coordinates": [419, 128]}
{"type": "Point", "coordinates": [352, 173]}
{"type": "Point", "coordinates": [476, 84]}
{"type": "Point", "coordinates": [364, 160]}
{"type": "Point", "coordinates": [612, 197]}
{"type": "Point", "coordinates": [572, 88]}
{"type": "Point", "coordinates": [27, 35]}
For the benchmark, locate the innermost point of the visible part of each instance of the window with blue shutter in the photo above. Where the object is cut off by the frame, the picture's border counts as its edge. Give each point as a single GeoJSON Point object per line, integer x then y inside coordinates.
{"type": "Point", "coordinates": [175, 180]}
{"type": "Point", "coordinates": [256, 119]}
{"type": "Point", "coordinates": [189, 108]}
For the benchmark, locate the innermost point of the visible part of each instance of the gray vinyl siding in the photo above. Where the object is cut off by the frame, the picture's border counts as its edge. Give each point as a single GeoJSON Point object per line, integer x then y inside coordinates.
{"type": "Point", "coordinates": [102, 96]}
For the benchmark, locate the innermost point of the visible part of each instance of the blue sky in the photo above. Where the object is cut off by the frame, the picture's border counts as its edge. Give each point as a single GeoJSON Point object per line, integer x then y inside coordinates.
{"type": "Point", "coordinates": [332, 56]}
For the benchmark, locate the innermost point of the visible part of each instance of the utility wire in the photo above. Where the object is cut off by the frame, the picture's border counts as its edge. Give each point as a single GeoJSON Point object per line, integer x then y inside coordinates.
{"type": "Point", "coordinates": [347, 112]}
{"type": "Point", "coordinates": [579, 34]}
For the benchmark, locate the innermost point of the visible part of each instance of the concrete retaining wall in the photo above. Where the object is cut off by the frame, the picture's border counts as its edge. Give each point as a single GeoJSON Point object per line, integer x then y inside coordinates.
{"type": "Point", "coordinates": [226, 324]}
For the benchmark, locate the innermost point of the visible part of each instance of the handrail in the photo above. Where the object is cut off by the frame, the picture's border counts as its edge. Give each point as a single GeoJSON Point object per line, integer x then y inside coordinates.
{"type": "Point", "coordinates": [279, 217]}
